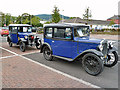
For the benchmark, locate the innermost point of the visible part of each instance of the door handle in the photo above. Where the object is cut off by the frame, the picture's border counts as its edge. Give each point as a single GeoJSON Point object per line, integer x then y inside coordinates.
{"type": "Point", "coordinates": [52, 41]}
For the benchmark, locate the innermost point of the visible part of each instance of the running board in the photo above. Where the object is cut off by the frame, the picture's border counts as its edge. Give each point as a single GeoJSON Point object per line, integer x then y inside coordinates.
{"type": "Point", "coordinates": [68, 59]}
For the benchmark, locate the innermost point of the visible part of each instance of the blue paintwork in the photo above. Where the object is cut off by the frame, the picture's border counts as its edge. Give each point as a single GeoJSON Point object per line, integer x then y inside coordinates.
{"type": "Point", "coordinates": [23, 34]}
{"type": "Point", "coordinates": [72, 48]}
{"type": "Point", "coordinates": [14, 38]}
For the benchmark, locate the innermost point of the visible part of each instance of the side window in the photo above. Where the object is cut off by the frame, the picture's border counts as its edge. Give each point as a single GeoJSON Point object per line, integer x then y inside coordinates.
{"type": "Point", "coordinates": [68, 33]}
{"type": "Point", "coordinates": [10, 29]}
{"type": "Point", "coordinates": [20, 29]}
{"type": "Point", "coordinates": [14, 29]}
{"type": "Point", "coordinates": [59, 32]}
{"type": "Point", "coordinates": [62, 33]}
{"type": "Point", "coordinates": [48, 32]}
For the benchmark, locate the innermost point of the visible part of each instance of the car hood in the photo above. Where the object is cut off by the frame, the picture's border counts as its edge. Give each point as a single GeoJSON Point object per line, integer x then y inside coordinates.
{"type": "Point", "coordinates": [88, 40]}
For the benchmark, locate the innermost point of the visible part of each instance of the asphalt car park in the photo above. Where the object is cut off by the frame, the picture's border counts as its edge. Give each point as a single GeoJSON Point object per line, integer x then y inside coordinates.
{"type": "Point", "coordinates": [107, 79]}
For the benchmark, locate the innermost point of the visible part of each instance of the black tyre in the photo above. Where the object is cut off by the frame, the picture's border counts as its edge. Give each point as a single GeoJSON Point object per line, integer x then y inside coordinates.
{"type": "Point", "coordinates": [92, 64]}
{"type": "Point", "coordinates": [47, 53]}
{"type": "Point", "coordinates": [112, 59]}
{"type": "Point", "coordinates": [2, 35]}
{"type": "Point", "coordinates": [10, 43]}
{"type": "Point", "coordinates": [38, 45]}
{"type": "Point", "coordinates": [22, 46]}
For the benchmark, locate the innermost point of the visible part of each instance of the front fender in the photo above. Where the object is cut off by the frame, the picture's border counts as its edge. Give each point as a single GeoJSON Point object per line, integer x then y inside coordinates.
{"type": "Point", "coordinates": [113, 49]}
{"type": "Point", "coordinates": [23, 40]}
{"type": "Point", "coordinates": [98, 53]}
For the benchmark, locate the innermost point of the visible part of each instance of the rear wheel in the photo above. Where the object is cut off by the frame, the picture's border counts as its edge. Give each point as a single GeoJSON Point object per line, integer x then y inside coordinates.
{"type": "Point", "coordinates": [112, 59]}
{"type": "Point", "coordinates": [10, 43]}
{"type": "Point", "coordinates": [92, 64]}
{"type": "Point", "coordinates": [47, 53]}
{"type": "Point", "coordinates": [22, 46]}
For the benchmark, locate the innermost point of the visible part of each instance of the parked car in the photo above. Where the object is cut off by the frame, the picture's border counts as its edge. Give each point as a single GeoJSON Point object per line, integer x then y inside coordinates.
{"type": "Point", "coordinates": [4, 31]}
{"type": "Point", "coordinates": [21, 34]}
{"type": "Point", "coordinates": [72, 42]}
{"type": "Point", "coordinates": [116, 26]}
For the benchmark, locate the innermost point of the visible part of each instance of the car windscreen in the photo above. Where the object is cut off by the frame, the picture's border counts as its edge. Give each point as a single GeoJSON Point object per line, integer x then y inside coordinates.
{"type": "Point", "coordinates": [81, 31]}
{"type": "Point", "coordinates": [25, 29]}
{"type": "Point", "coordinates": [5, 28]}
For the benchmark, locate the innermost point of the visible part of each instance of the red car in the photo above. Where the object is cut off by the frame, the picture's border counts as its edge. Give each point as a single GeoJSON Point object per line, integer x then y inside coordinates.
{"type": "Point", "coordinates": [4, 31]}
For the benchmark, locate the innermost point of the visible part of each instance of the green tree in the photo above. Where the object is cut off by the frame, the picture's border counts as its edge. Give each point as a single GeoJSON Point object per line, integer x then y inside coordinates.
{"type": "Point", "coordinates": [3, 19]}
{"type": "Point", "coordinates": [112, 22]}
{"type": "Point", "coordinates": [8, 19]}
{"type": "Point", "coordinates": [35, 21]}
{"type": "Point", "coordinates": [87, 14]}
{"type": "Point", "coordinates": [56, 15]}
{"type": "Point", "coordinates": [19, 20]}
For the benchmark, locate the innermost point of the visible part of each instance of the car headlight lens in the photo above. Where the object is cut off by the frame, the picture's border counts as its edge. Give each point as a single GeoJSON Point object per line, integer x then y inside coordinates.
{"type": "Point", "coordinates": [101, 47]}
{"type": "Point", "coordinates": [111, 44]}
{"type": "Point", "coordinates": [26, 37]}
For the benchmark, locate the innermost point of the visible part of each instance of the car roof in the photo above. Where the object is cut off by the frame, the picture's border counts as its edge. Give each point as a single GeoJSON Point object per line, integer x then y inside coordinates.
{"type": "Point", "coordinates": [64, 25]}
{"type": "Point", "coordinates": [20, 25]}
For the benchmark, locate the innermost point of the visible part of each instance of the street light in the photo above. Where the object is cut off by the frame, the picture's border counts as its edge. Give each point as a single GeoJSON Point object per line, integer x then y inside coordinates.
{"type": "Point", "coordinates": [62, 16]}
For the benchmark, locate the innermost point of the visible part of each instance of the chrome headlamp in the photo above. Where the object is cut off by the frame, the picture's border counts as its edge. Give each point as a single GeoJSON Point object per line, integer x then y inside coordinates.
{"type": "Point", "coordinates": [26, 37]}
{"type": "Point", "coordinates": [101, 45]}
{"type": "Point", "coordinates": [111, 43]}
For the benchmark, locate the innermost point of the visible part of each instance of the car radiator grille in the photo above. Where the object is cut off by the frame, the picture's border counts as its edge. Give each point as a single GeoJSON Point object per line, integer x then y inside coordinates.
{"type": "Point", "coordinates": [105, 49]}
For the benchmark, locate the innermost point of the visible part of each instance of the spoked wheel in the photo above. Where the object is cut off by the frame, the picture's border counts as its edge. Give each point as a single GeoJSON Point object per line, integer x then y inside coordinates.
{"type": "Point", "coordinates": [92, 64]}
{"type": "Point", "coordinates": [10, 43]}
{"type": "Point", "coordinates": [112, 59]}
{"type": "Point", "coordinates": [22, 46]}
{"type": "Point", "coordinates": [47, 53]}
{"type": "Point", "coordinates": [38, 45]}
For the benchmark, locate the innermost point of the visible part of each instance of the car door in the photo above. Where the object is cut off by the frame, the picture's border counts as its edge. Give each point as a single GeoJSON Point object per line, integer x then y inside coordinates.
{"type": "Point", "coordinates": [14, 34]}
{"type": "Point", "coordinates": [61, 42]}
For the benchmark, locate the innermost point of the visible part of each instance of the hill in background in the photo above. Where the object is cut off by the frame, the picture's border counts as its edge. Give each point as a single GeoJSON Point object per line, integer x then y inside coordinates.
{"type": "Point", "coordinates": [48, 17]}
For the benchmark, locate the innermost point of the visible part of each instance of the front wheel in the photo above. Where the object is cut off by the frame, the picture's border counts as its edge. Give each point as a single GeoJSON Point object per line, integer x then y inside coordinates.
{"type": "Point", "coordinates": [38, 45]}
{"type": "Point", "coordinates": [92, 64]}
{"type": "Point", "coordinates": [22, 46]}
{"type": "Point", "coordinates": [112, 59]}
{"type": "Point", "coordinates": [47, 53]}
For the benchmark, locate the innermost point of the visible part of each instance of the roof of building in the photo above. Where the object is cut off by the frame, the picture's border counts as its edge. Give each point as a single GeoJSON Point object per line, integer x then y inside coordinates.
{"type": "Point", "coordinates": [64, 25]}
{"type": "Point", "coordinates": [20, 25]}
{"type": "Point", "coordinates": [115, 17]}
{"type": "Point", "coordinates": [84, 21]}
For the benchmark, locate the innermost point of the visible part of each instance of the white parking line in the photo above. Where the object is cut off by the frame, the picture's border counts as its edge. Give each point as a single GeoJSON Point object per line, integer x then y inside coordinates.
{"type": "Point", "coordinates": [30, 53]}
{"type": "Point", "coordinates": [55, 70]}
{"type": "Point", "coordinates": [7, 56]}
{"type": "Point", "coordinates": [9, 51]}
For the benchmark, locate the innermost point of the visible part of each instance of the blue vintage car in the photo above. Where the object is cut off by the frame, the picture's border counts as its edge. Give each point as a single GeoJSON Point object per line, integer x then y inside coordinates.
{"type": "Point", "coordinates": [21, 34]}
{"type": "Point", "coordinates": [72, 42]}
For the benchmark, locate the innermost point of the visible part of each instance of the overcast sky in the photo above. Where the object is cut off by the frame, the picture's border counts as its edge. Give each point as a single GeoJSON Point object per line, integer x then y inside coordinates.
{"type": "Point", "coordinates": [101, 9]}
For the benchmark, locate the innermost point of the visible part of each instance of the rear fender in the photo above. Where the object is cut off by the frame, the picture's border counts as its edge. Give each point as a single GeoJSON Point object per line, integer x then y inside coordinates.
{"type": "Point", "coordinates": [45, 44]}
{"type": "Point", "coordinates": [8, 38]}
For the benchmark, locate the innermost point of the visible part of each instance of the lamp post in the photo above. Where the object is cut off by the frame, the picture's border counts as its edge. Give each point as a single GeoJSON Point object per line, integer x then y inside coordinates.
{"type": "Point", "coordinates": [62, 16]}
